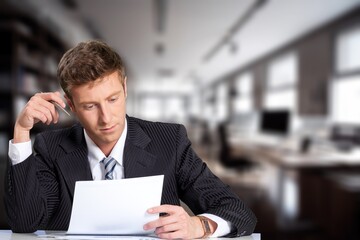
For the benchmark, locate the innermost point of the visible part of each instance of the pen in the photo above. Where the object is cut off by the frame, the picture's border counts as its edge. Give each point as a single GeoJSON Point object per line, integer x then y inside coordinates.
{"type": "Point", "coordinates": [60, 107]}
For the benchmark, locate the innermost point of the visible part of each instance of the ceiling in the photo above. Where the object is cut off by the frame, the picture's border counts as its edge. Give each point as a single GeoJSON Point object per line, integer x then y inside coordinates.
{"type": "Point", "coordinates": [168, 45]}
{"type": "Point", "coordinates": [190, 29]}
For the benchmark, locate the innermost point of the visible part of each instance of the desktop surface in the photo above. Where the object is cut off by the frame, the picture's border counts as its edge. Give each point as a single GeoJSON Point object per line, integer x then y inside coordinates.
{"type": "Point", "coordinates": [282, 152]}
{"type": "Point", "coordinates": [9, 235]}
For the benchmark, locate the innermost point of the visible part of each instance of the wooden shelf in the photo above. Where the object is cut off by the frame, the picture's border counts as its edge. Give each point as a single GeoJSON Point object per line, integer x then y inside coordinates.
{"type": "Point", "coordinates": [29, 54]}
{"type": "Point", "coordinates": [28, 63]}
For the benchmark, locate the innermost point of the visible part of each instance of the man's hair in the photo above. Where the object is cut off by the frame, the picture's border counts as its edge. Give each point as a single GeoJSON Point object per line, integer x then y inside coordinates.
{"type": "Point", "coordinates": [87, 62]}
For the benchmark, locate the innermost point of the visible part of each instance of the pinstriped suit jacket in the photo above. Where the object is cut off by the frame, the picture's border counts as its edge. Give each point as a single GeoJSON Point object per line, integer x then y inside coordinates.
{"type": "Point", "coordinates": [39, 191]}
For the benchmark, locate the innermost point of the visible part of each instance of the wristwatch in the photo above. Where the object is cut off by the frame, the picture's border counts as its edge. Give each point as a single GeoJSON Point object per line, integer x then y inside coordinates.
{"type": "Point", "coordinates": [206, 226]}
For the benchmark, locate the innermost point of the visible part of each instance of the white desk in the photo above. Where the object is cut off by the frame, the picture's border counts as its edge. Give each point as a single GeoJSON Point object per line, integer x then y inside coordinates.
{"type": "Point", "coordinates": [51, 235]}
{"type": "Point", "coordinates": [291, 159]}
{"type": "Point", "coordinates": [305, 169]}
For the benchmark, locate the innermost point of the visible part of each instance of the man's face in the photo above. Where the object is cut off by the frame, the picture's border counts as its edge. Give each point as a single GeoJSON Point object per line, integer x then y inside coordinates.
{"type": "Point", "coordinates": [100, 108]}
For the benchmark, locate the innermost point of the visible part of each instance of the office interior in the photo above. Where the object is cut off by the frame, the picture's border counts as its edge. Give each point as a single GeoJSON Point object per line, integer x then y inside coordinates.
{"type": "Point", "coordinates": [267, 90]}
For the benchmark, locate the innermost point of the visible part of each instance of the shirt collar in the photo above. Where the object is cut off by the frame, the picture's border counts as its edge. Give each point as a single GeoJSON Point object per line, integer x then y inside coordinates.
{"type": "Point", "coordinates": [95, 155]}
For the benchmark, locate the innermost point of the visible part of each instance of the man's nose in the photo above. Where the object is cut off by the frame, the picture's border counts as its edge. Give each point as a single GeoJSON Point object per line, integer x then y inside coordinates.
{"type": "Point", "coordinates": [105, 114]}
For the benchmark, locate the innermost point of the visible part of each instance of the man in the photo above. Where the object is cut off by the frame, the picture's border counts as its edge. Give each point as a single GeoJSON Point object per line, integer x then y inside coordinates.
{"type": "Point", "coordinates": [40, 185]}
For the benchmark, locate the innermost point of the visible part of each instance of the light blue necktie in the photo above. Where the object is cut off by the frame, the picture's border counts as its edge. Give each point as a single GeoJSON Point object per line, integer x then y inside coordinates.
{"type": "Point", "coordinates": [109, 164]}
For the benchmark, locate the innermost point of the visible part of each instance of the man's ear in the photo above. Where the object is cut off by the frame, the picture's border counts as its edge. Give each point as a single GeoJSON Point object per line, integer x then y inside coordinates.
{"type": "Point", "coordinates": [69, 103]}
{"type": "Point", "coordinates": [125, 87]}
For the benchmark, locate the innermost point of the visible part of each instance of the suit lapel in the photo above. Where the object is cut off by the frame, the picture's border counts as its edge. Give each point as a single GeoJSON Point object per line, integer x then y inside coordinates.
{"type": "Point", "coordinates": [137, 161]}
{"type": "Point", "coordinates": [74, 165]}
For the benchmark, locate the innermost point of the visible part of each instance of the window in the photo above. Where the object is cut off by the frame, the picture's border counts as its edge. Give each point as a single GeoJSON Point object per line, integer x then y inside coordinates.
{"type": "Point", "coordinates": [150, 108]}
{"type": "Point", "coordinates": [243, 102]}
{"type": "Point", "coordinates": [281, 99]}
{"type": "Point", "coordinates": [195, 105]}
{"type": "Point", "coordinates": [163, 108]}
{"type": "Point", "coordinates": [282, 77]}
{"type": "Point", "coordinates": [345, 88]}
{"type": "Point", "coordinates": [344, 97]}
{"type": "Point", "coordinates": [348, 50]}
{"type": "Point", "coordinates": [222, 101]}
{"type": "Point", "coordinates": [209, 104]}
{"type": "Point", "coordinates": [174, 109]}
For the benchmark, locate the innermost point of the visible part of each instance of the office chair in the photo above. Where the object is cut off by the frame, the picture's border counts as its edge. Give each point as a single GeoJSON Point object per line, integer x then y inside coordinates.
{"type": "Point", "coordinates": [239, 163]}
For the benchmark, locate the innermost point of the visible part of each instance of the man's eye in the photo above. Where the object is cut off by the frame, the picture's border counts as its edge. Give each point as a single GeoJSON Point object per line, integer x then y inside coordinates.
{"type": "Point", "coordinates": [89, 106]}
{"type": "Point", "coordinates": [113, 99]}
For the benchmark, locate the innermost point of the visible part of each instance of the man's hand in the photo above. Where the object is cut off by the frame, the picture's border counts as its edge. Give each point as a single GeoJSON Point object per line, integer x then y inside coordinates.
{"type": "Point", "coordinates": [176, 223]}
{"type": "Point", "coordinates": [37, 109]}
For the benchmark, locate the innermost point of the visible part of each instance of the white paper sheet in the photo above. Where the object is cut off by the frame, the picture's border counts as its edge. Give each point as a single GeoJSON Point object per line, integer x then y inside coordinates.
{"type": "Point", "coordinates": [115, 207]}
{"type": "Point", "coordinates": [255, 236]}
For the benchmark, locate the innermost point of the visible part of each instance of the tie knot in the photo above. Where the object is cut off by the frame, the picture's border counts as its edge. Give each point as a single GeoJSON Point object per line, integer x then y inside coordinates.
{"type": "Point", "coordinates": [109, 165]}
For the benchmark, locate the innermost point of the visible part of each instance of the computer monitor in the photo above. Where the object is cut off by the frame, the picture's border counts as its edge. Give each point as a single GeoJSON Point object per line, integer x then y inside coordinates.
{"type": "Point", "coordinates": [275, 121]}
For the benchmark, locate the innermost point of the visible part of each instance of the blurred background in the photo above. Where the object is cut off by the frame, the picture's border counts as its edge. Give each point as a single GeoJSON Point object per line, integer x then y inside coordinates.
{"type": "Point", "coordinates": [268, 90]}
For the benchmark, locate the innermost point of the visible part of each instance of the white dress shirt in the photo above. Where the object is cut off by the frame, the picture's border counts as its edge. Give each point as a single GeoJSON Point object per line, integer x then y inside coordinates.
{"type": "Point", "coordinates": [95, 155]}
{"type": "Point", "coordinates": [18, 153]}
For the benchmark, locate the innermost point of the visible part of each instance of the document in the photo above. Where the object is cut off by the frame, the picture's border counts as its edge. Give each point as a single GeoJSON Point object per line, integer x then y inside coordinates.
{"type": "Point", "coordinates": [62, 236]}
{"type": "Point", "coordinates": [255, 236]}
{"type": "Point", "coordinates": [115, 207]}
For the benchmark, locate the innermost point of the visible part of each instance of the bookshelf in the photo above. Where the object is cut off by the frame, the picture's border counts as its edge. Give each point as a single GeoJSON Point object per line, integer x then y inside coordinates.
{"type": "Point", "coordinates": [29, 54]}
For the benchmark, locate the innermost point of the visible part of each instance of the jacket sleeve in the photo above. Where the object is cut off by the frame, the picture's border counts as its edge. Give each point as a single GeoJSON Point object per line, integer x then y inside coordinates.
{"type": "Point", "coordinates": [31, 191]}
{"type": "Point", "coordinates": [203, 192]}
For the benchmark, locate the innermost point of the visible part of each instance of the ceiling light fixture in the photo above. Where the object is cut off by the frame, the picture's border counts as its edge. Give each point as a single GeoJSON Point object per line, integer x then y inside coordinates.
{"type": "Point", "coordinates": [159, 49]}
{"type": "Point", "coordinates": [233, 47]}
{"type": "Point", "coordinates": [235, 28]}
{"type": "Point", "coordinates": [160, 7]}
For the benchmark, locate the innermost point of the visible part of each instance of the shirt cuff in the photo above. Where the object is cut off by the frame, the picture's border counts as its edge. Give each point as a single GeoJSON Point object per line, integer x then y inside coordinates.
{"type": "Point", "coordinates": [18, 152]}
{"type": "Point", "coordinates": [223, 227]}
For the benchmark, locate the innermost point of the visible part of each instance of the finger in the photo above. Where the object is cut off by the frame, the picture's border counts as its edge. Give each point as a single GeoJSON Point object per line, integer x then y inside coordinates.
{"type": "Point", "coordinates": [56, 117]}
{"type": "Point", "coordinates": [175, 214]}
{"type": "Point", "coordinates": [47, 108]}
{"type": "Point", "coordinates": [164, 209]}
{"type": "Point", "coordinates": [172, 235]}
{"type": "Point", "coordinates": [58, 98]}
{"type": "Point", "coordinates": [35, 116]}
{"type": "Point", "coordinates": [52, 96]}
{"type": "Point", "coordinates": [160, 222]}
{"type": "Point", "coordinates": [51, 106]}
{"type": "Point", "coordinates": [43, 116]}
{"type": "Point", "coordinates": [168, 228]}
{"type": "Point", "coordinates": [44, 107]}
